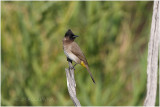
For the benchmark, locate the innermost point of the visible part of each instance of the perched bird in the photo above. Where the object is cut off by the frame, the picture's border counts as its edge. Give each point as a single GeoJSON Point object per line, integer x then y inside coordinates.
{"type": "Point", "coordinates": [73, 51]}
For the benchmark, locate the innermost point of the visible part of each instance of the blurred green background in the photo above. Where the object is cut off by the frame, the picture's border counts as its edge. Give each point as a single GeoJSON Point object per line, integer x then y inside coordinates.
{"type": "Point", "coordinates": [113, 36]}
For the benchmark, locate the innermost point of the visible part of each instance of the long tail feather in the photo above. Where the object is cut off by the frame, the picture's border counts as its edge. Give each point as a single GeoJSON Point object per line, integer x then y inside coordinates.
{"type": "Point", "coordinates": [90, 74]}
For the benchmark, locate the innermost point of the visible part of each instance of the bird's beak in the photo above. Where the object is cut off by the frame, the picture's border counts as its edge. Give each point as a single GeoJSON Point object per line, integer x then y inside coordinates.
{"type": "Point", "coordinates": [75, 36]}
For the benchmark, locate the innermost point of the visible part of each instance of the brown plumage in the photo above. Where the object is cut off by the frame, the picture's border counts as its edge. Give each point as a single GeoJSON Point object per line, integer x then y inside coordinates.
{"type": "Point", "coordinates": [73, 51]}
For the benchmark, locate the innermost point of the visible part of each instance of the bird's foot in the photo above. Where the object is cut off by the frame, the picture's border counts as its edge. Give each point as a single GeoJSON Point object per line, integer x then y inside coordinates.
{"type": "Point", "coordinates": [72, 68]}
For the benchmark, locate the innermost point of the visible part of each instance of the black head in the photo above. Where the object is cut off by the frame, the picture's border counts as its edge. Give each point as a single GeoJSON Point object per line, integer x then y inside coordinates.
{"type": "Point", "coordinates": [70, 34]}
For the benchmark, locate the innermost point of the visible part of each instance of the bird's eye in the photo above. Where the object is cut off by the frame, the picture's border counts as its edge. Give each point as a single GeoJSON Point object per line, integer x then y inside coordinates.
{"type": "Point", "coordinates": [72, 37]}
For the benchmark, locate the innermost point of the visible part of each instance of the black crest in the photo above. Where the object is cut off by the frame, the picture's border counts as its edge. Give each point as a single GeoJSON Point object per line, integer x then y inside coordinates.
{"type": "Point", "coordinates": [70, 34]}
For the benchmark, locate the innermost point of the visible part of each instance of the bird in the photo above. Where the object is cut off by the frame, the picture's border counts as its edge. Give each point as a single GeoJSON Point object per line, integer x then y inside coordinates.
{"type": "Point", "coordinates": [73, 52]}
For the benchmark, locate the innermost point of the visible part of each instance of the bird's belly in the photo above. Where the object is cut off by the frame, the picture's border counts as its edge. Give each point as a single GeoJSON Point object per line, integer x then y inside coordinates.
{"type": "Point", "coordinates": [72, 56]}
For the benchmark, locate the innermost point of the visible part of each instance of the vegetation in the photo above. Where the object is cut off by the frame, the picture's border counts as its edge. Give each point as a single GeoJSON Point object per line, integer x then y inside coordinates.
{"type": "Point", "coordinates": [113, 36]}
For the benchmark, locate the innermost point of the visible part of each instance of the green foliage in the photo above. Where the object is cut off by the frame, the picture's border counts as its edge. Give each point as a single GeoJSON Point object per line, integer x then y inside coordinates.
{"type": "Point", "coordinates": [113, 36]}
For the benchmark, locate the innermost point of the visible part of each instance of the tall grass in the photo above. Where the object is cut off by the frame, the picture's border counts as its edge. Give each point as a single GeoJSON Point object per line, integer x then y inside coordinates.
{"type": "Point", "coordinates": [113, 36]}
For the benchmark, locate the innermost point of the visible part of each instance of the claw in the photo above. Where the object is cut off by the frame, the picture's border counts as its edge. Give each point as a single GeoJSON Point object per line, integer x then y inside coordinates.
{"type": "Point", "coordinates": [72, 68]}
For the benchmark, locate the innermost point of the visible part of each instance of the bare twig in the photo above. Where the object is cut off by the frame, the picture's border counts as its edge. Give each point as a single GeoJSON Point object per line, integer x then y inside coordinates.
{"type": "Point", "coordinates": [71, 84]}
{"type": "Point", "coordinates": [152, 66]}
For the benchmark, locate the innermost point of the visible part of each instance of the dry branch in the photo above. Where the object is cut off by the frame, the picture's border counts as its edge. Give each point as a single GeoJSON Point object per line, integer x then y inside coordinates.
{"type": "Point", "coordinates": [152, 65]}
{"type": "Point", "coordinates": [71, 84]}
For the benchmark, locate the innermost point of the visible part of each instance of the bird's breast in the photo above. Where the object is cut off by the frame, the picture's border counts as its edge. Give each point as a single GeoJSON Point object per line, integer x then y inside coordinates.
{"type": "Point", "coordinates": [71, 56]}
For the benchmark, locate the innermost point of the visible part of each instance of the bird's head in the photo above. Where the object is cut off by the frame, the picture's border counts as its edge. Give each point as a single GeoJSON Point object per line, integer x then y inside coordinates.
{"type": "Point", "coordinates": [70, 35]}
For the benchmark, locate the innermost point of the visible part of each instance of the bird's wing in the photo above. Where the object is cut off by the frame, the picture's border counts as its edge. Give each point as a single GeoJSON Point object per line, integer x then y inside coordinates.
{"type": "Point", "coordinates": [75, 49]}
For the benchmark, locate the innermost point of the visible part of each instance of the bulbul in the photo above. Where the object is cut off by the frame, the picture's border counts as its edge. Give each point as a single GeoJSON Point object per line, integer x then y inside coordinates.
{"type": "Point", "coordinates": [73, 51]}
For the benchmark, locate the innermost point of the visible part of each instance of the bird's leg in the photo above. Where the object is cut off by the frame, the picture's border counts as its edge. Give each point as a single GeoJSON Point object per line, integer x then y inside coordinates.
{"type": "Point", "coordinates": [69, 60]}
{"type": "Point", "coordinates": [74, 65]}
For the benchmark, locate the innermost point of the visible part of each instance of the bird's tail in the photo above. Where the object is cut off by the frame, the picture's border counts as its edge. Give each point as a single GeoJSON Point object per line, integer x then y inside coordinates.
{"type": "Point", "coordinates": [90, 74]}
